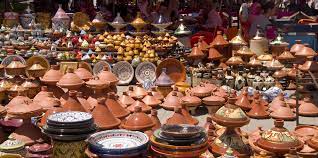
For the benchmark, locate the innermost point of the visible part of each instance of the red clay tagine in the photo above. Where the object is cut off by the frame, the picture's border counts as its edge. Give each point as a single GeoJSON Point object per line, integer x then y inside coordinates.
{"type": "Point", "coordinates": [103, 118]}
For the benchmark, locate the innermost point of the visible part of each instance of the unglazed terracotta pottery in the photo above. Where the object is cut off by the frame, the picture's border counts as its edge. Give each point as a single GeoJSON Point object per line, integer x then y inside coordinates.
{"type": "Point", "coordinates": [308, 108]}
{"type": "Point", "coordinates": [108, 76]}
{"type": "Point", "coordinates": [219, 40]}
{"type": "Point", "coordinates": [49, 112]}
{"type": "Point", "coordinates": [202, 45]}
{"type": "Point", "coordinates": [171, 102]}
{"type": "Point", "coordinates": [258, 111]}
{"type": "Point", "coordinates": [286, 55]}
{"type": "Point", "coordinates": [278, 139]}
{"type": "Point", "coordinates": [177, 117]}
{"type": "Point", "coordinates": [145, 108]}
{"type": "Point", "coordinates": [83, 73]}
{"type": "Point", "coordinates": [138, 121]}
{"type": "Point", "coordinates": [309, 65]}
{"type": "Point", "coordinates": [284, 113]}
{"type": "Point", "coordinates": [151, 100]}
{"type": "Point", "coordinates": [115, 107]}
{"type": "Point", "coordinates": [52, 76]}
{"type": "Point", "coordinates": [139, 92]}
{"type": "Point", "coordinates": [214, 54]}
{"type": "Point", "coordinates": [47, 102]}
{"type": "Point", "coordinates": [125, 99]}
{"type": "Point", "coordinates": [70, 80]}
{"type": "Point", "coordinates": [182, 86]}
{"type": "Point", "coordinates": [196, 53]}
{"type": "Point", "coordinates": [201, 91]}
{"type": "Point", "coordinates": [22, 107]}
{"type": "Point", "coordinates": [103, 118]}
{"type": "Point", "coordinates": [313, 142]}
{"type": "Point", "coordinates": [190, 119]}
{"type": "Point", "coordinates": [213, 103]}
{"type": "Point", "coordinates": [72, 103]}
{"type": "Point", "coordinates": [297, 47]}
{"type": "Point", "coordinates": [243, 102]}
{"type": "Point", "coordinates": [190, 101]}
{"type": "Point", "coordinates": [306, 52]}
{"type": "Point", "coordinates": [155, 119]}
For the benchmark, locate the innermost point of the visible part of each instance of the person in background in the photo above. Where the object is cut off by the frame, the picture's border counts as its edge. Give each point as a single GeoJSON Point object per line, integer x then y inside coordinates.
{"type": "Point", "coordinates": [268, 10]}
{"type": "Point", "coordinates": [214, 19]}
{"type": "Point", "coordinates": [244, 16]}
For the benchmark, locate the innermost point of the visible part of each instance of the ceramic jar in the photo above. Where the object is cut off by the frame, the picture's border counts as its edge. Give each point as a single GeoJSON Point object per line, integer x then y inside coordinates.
{"type": "Point", "coordinates": [240, 81]}
{"type": "Point", "coordinates": [61, 20]}
{"type": "Point", "coordinates": [259, 44]}
{"type": "Point", "coordinates": [229, 79]}
{"type": "Point", "coordinates": [258, 82]}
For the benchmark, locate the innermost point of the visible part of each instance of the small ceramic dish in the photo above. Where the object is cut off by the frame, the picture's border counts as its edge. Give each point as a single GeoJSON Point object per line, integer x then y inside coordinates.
{"type": "Point", "coordinates": [117, 142]}
{"type": "Point", "coordinates": [70, 117]}
{"type": "Point", "coordinates": [181, 130]}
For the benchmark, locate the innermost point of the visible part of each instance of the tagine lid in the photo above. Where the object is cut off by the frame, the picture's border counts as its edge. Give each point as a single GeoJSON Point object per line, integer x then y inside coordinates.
{"type": "Point", "coordinates": [306, 52]}
{"type": "Point", "coordinates": [274, 64]}
{"type": "Point", "coordinates": [139, 103]}
{"type": "Point", "coordinates": [138, 20]}
{"type": "Point", "coordinates": [164, 79]}
{"type": "Point", "coordinates": [177, 117]}
{"type": "Point", "coordinates": [309, 65]}
{"type": "Point", "coordinates": [258, 111]}
{"type": "Point", "coordinates": [125, 99]}
{"type": "Point", "coordinates": [286, 55]}
{"type": "Point", "coordinates": [190, 100]}
{"type": "Point", "coordinates": [72, 103]}
{"type": "Point", "coordinates": [70, 78]}
{"type": "Point", "coordinates": [280, 74]}
{"type": "Point", "coordinates": [278, 139]}
{"type": "Point", "coordinates": [214, 54]}
{"type": "Point", "coordinates": [254, 62]}
{"type": "Point", "coordinates": [98, 18]}
{"type": "Point", "coordinates": [238, 39]}
{"type": "Point", "coordinates": [103, 118]}
{"type": "Point", "coordinates": [115, 106]}
{"type": "Point", "coordinates": [265, 57]}
{"type": "Point", "coordinates": [138, 120]}
{"type": "Point", "coordinates": [149, 99]}
{"type": "Point", "coordinates": [29, 84]}
{"type": "Point", "coordinates": [96, 82]}
{"type": "Point", "coordinates": [200, 89]}
{"type": "Point", "coordinates": [36, 67]}
{"type": "Point", "coordinates": [171, 101]}
{"type": "Point", "coordinates": [83, 73]}
{"type": "Point", "coordinates": [308, 108]}
{"type": "Point", "coordinates": [297, 47]}
{"type": "Point", "coordinates": [245, 51]}
{"type": "Point", "coordinates": [21, 105]}
{"type": "Point", "coordinates": [219, 40]}
{"type": "Point", "coordinates": [196, 52]}
{"type": "Point", "coordinates": [53, 75]}
{"type": "Point", "coordinates": [235, 60]}
{"type": "Point", "coordinates": [60, 14]}
{"type": "Point", "coordinates": [108, 76]}
{"type": "Point", "coordinates": [138, 92]}
{"type": "Point", "coordinates": [202, 45]}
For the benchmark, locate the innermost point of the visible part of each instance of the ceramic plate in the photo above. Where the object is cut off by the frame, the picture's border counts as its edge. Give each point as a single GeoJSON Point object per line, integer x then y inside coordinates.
{"type": "Point", "coordinates": [181, 130]}
{"type": "Point", "coordinates": [7, 60]}
{"type": "Point", "coordinates": [78, 130]}
{"type": "Point", "coordinates": [118, 141]}
{"type": "Point", "coordinates": [191, 140]}
{"type": "Point", "coordinates": [175, 69]}
{"type": "Point", "coordinates": [70, 117]}
{"type": "Point", "coordinates": [145, 71]}
{"type": "Point", "coordinates": [124, 72]}
{"type": "Point", "coordinates": [99, 66]}
{"type": "Point", "coordinates": [41, 60]}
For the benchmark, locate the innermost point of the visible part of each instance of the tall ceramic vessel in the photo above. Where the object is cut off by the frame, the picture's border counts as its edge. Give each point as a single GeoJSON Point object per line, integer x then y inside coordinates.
{"type": "Point", "coordinates": [61, 20]}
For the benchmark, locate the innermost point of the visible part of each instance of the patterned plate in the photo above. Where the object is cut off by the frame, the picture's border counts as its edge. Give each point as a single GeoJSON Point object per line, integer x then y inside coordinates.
{"type": "Point", "coordinates": [7, 60]}
{"type": "Point", "coordinates": [124, 72]}
{"type": "Point", "coordinates": [175, 69]}
{"type": "Point", "coordinates": [41, 60]}
{"type": "Point", "coordinates": [99, 66]}
{"type": "Point", "coordinates": [70, 117]}
{"type": "Point", "coordinates": [145, 71]}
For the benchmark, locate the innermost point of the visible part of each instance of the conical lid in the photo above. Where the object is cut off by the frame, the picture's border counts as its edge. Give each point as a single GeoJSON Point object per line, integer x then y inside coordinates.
{"type": "Point", "coordinates": [155, 119]}
{"type": "Point", "coordinates": [245, 51]}
{"type": "Point", "coordinates": [60, 14]}
{"type": "Point", "coordinates": [286, 55]}
{"type": "Point", "coordinates": [98, 18]}
{"type": "Point", "coordinates": [279, 74]}
{"type": "Point", "coordinates": [293, 71]}
{"type": "Point", "coordinates": [171, 102]}
{"type": "Point", "coordinates": [70, 79]}
{"type": "Point", "coordinates": [108, 76]}
{"type": "Point", "coordinates": [53, 75]}
{"type": "Point", "coordinates": [258, 111]}
{"type": "Point", "coordinates": [175, 90]}
{"type": "Point", "coordinates": [118, 19]}
{"type": "Point", "coordinates": [115, 107]}
{"type": "Point", "coordinates": [265, 57]}
{"type": "Point", "coordinates": [29, 84]}
{"type": "Point", "coordinates": [182, 29]}
{"type": "Point", "coordinates": [202, 45]}
{"type": "Point", "coordinates": [164, 79]}
{"type": "Point", "coordinates": [297, 47]}
{"type": "Point", "coordinates": [83, 73]}
{"type": "Point", "coordinates": [219, 40]}
{"type": "Point", "coordinates": [138, 121]}
{"type": "Point", "coordinates": [15, 64]}
{"type": "Point", "coordinates": [156, 94]}
{"type": "Point", "coordinates": [72, 103]}
{"type": "Point", "coordinates": [306, 52]}
{"type": "Point", "coordinates": [22, 107]}
{"type": "Point", "coordinates": [238, 39]}
{"type": "Point", "coordinates": [259, 33]}
{"type": "Point", "coordinates": [274, 65]}
{"type": "Point", "coordinates": [37, 67]}
{"type": "Point", "coordinates": [145, 108]}
{"type": "Point", "coordinates": [125, 99]}
{"type": "Point", "coordinates": [283, 112]}
{"type": "Point", "coordinates": [96, 83]}
{"type": "Point", "coordinates": [309, 65]}
{"type": "Point", "coordinates": [47, 102]}
{"type": "Point", "coordinates": [103, 118]}
{"type": "Point", "coordinates": [139, 92]}
{"type": "Point", "coordinates": [138, 20]}
{"type": "Point", "coordinates": [235, 60]}
{"type": "Point", "coordinates": [177, 117]}
{"type": "Point", "coordinates": [190, 100]}
{"type": "Point", "coordinates": [214, 54]}
{"type": "Point", "coordinates": [196, 53]}
{"type": "Point", "coordinates": [88, 106]}
{"type": "Point", "coordinates": [243, 102]}
{"type": "Point", "coordinates": [307, 108]}
{"type": "Point", "coordinates": [254, 62]}
{"type": "Point", "coordinates": [151, 100]}
{"type": "Point", "coordinates": [191, 120]}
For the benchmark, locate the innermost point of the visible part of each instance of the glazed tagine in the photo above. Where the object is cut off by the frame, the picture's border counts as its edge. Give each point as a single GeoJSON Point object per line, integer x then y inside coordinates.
{"type": "Point", "coordinates": [231, 117]}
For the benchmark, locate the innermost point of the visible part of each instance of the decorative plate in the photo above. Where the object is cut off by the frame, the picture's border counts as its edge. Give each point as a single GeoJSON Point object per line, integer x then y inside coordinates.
{"type": "Point", "coordinates": [7, 60]}
{"type": "Point", "coordinates": [99, 66]}
{"type": "Point", "coordinates": [124, 72]}
{"type": "Point", "coordinates": [175, 69]}
{"type": "Point", "coordinates": [66, 137]}
{"type": "Point", "coordinates": [37, 59]}
{"type": "Point", "coordinates": [87, 66]}
{"type": "Point", "coordinates": [70, 117]}
{"type": "Point", "coordinates": [145, 71]}
{"type": "Point", "coordinates": [117, 142]}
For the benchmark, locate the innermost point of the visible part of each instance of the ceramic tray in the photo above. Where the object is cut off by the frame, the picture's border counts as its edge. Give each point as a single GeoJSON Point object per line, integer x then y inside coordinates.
{"type": "Point", "coordinates": [175, 69]}
{"type": "Point", "coordinates": [124, 72]}
{"type": "Point", "coordinates": [117, 142]}
{"type": "Point", "coordinates": [7, 60]}
{"type": "Point", "coordinates": [99, 66]}
{"type": "Point", "coordinates": [145, 71]}
{"type": "Point", "coordinates": [70, 117]}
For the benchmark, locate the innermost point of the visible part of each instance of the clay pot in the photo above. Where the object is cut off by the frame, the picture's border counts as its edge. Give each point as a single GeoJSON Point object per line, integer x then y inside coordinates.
{"type": "Point", "coordinates": [72, 103]}
{"type": "Point", "coordinates": [277, 103]}
{"type": "Point", "coordinates": [22, 107]}
{"type": "Point", "coordinates": [313, 142]}
{"type": "Point", "coordinates": [115, 107]}
{"type": "Point", "coordinates": [108, 76]}
{"type": "Point", "coordinates": [196, 53]}
{"type": "Point", "coordinates": [235, 60]}
{"type": "Point", "coordinates": [156, 94]}
{"type": "Point", "coordinates": [291, 102]}
{"type": "Point", "coordinates": [305, 131]}
{"type": "Point", "coordinates": [213, 103]}
{"type": "Point", "coordinates": [175, 90]}
{"type": "Point", "coordinates": [47, 102]}
{"type": "Point", "coordinates": [254, 62]}
{"type": "Point", "coordinates": [202, 45]}
{"type": "Point", "coordinates": [219, 40]}
{"type": "Point", "coordinates": [32, 88]}
{"type": "Point", "coordinates": [214, 54]}
{"type": "Point", "coordinates": [244, 102]}
{"type": "Point", "coordinates": [245, 52]}
{"type": "Point", "coordinates": [284, 113]}
{"type": "Point", "coordinates": [177, 117]}
{"type": "Point", "coordinates": [281, 141]}
{"type": "Point", "coordinates": [307, 108]}
{"type": "Point", "coordinates": [279, 74]}
{"type": "Point", "coordinates": [103, 118]}
{"type": "Point", "coordinates": [306, 52]}
{"type": "Point", "coordinates": [15, 90]}
{"type": "Point", "coordinates": [286, 55]}
{"type": "Point", "coordinates": [138, 121]}
{"type": "Point", "coordinates": [150, 100]}
{"type": "Point", "coordinates": [155, 119]}
{"type": "Point", "coordinates": [83, 73]}
{"type": "Point", "coordinates": [139, 92]}
{"type": "Point", "coordinates": [145, 108]}
{"type": "Point", "coordinates": [297, 47]}
{"type": "Point", "coordinates": [126, 100]}
{"type": "Point", "coordinates": [189, 100]}
{"type": "Point", "coordinates": [15, 68]}
{"type": "Point", "coordinates": [258, 111]}
{"type": "Point", "coordinates": [190, 119]}
{"type": "Point", "coordinates": [89, 106]}
{"type": "Point", "coordinates": [43, 93]}
{"type": "Point", "coordinates": [52, 76]}
{"type": "Point", "coordinates": [70, 80]}
{"type": "Point", "coordinates": [171, 102]}
{"type": "Point", "coordinates": [201, 91]}
{"type": "Point", "coordinates": [292, 72]}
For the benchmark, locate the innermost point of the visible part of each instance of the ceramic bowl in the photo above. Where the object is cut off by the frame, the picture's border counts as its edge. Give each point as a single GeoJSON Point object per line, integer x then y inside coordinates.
{"type": "Point", "coordinates": [117, 142]}
{"type": "Point", "coordinates": [181, 130]}
{"type": "Point", "coordinates": [66, 131]}
{"type": "Point", "coordinates": [72, 117]}
{"type": "Point", "coordinates": [65, 137]}
{"type": "Point", "coordinates": [180, 141]}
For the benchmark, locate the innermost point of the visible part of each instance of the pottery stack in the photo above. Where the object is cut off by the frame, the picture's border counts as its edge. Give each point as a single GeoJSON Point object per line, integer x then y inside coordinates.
{"type": "Point", "coordinates": [179, 141]}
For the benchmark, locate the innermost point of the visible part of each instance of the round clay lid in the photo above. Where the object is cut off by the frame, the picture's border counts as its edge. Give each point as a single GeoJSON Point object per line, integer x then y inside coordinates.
{"type": "Point", "coordinates": [139, 103]}
{"type": "Point", "coordinates": [172, 101]}
{"type": "Point", "coordinates": [196, 52]}
{"type": "Point", "coordinates": [201, 90]}
{"type": "Point", "coordinates": [83, 73]}
{"type": "Point", "coordinates": [21, 105]}
{"type": "Point", "coordinates": [149, 99]}
{"type": "Point", "coordinates": [108, 76]}
{"type": "Point", "coordinates": [280, 74]}
{"type": "Point", "coordinates": [308, 108]}
{"type": "Point", "coordinates": [96, 82]}
{"type": "Point", "coordinates": [235, 60]}
{"type": "Point", "coordinates": [70, 78]}
{"type": "Point", "coordinates": [53, 75]}
{"type": "Point", "coordinates": [213, 100]}
{"type": "Point", "coordinates": [138, 120]}
{"type": "Point", "coordinates": [139, 92]}
{"type": "Point", "coordinates": [254, 62]}
{"type": "Point", "coordinates": [286, 55]}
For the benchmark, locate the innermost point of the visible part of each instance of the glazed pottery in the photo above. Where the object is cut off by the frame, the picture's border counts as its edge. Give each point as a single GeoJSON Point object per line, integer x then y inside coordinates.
{"type": "Point", "coordinates": [258, 111]}
{"type": "Point", "coordinates": [151, 100]}
{"type": "Point", "coordinates": [126, 100]}
{"type": "Point", "coordinates": [144, 107]}
{"type": "Point", "coordinates": [145, 71]}
{"type": "Point", "coordinates": [115, 107]}
{"type": "Point", "coordinates": [297, 47]}
{"type": "Point", "coordinates": [181, 130]}
{"type": "Point", "coordinates": [307, 108]}
{"type": "Point", "coordinates": [155, 119]}
{"type": "Point", "coordinates": [138, 23]}
{"type": "Point", "coordinates": [240, 81]}
{"type": "Point", "coordinates": [118, 23]}
{"type": "Point", "coordinates": [173, 68]}
{"type": "Point", "coordinates": [52, 110]}
{"type": "Point", "coordinates": [62, 149]}
{"type": "Point", "coordinates": [39, 149]}
{"type": "Point", "coordinates": [32, 87]}
{"type": "Point", "coordinates": [138, 121]}
{"type": "Point", "coordinates": [182, 86]}
{"type": "Point", "coordinates": [98, 22]}
{"type": "Point", "coordinates": [171, 102]}
{"type": "Point", "coordinates": [61, 20]}
{"type": "Point", "coordinates": [243, 102]}
{"type": "Point", "coordinates": [124, 72]}
{"type": "Point", "coordinates": [238, 40]}
{"type": "Point", "coordinates": [13, 146]}
{"type": "Point", "coordinates": [278, 139]}
{"type": "Point", "coordinates": [83, 73]}
{"type": "Point", "coordinates": [103, 118]}
{"type": "Point", "coordinates": [108, 76]}
{"type": "Point", "coordinates": [15, 68]}
{"type": "Point", "coordinates": [52, 76]}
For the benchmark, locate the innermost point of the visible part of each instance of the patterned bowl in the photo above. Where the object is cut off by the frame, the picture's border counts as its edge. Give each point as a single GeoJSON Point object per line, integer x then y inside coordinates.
{"type": "Point", "coordinates": [71, 117]}
{"type": "Point", "coordinates": [118, 142]}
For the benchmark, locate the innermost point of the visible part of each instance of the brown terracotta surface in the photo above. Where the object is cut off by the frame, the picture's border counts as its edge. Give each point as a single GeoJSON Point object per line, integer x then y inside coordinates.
{"type": "Point", "coordinates": [279, 74]}
{"type": "Point", "coordinates": [177, 117]}
{"type": "Point", "coordinates": [155, 119]}
{"type": "Point", "coordinates": [139, 92]}
{"type": "Point", "coordinates": [27, 133]}
{"type": "Point", "coordinates": [235, 60]}
{"type": "Point", "coordinates": [103, 118]}
{"type": "Point", "coordinates": [164, 79]}
{"type": "Point", "coordinates": [244, 102]}
{"type": "Point", "coordinates": [313, 142]}
{"type": "Point", "coordinates": [125, 99]}
{"type": "Point", "coordinates": [171, 102]}
{"type": "Point", "coordinates": [156, 94]}
{"type": "Point", "coordinates": [47, 102]}
{"type": "Point", "coordinates": [309, 65]}
{"type": "Point", "coordinates": [219, 40]}
{"type": "Point", "coordinates": [151, 100]}
{"type": "Point", "coordinates": [138, 121]}
{"type": "Point", "coordinates": [176, 90]}
{"type": "Point", "coordinates": [214, 54]}
{"type": "Point", "coordinates": [286, 55]}
{"type": "Point", "coordinates": [130, 90]}
{"type": "Point", "coordinates": [213, 101]}
{"type": "Point", "coordinates": [115, 107]}
{"type": "Point", "coordinates": [297, 47]}
{"type": "Point", "coordinates": [145, 108]}
{"type": "Point", "coordinates": [190, 101]}
{"type": "Point", "coordinates": [48, 113]}
{"type": "Point", "coordinates": [191, 120]}
{"type": "Point", "coordinates": [72, 103]}
{"type": "Point", "coordinates": [258, 111]}
{"type": "Point", "coordinates": [52, 76]}
{"type": "Point", "coordinates": [202, 45]}
{"type": "Point", "coordinates": [245, 51]}
{"type": "Point", "coordinates": [85, 103]}
{"type": "Point", "coordinates": [43, 93]}
{"type": "Point", "coordinates": [108, 76]}
{"type": "Point", "coordinates": [196, 53]}
{"type": "Point", "coordinates": [201, 91]}
{"type": "Point", "coordinates": [83, 73]}
{"type": "Point", "coordinates": [254, 62]}
{"type": "Point", "coordinates": [293, 71]}
{"type": "Point", "coordinates": [22, 107]}
{"type": "Point", "coordinates": [306, 52]}
{"type": "Point", "coordinates": [284, 113]}
{"type": "Point", "coordinates": [70, 80]}
{"type": "Point", "coordinates": [307, 108]}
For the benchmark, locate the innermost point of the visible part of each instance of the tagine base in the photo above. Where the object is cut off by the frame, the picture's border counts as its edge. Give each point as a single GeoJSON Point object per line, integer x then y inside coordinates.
{"type": "Point", "coordinates": [231, 139]}
{"type": "Point", "coordinates": [27, 133]}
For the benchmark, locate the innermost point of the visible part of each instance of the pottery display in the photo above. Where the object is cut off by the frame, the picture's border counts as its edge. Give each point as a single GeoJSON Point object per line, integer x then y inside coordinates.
{"type": "Point", "coordinates": [126, 99]}
{"type": "Point", "coordinates": [174, 69]}
{"type": "Point", "coordinates": [151, 100]}
{"type": "Point", "coordinates": [115, 107]}
{"type": "Point", "coordinates": [243, 102]}
{"type": "Point", "coordinates": [118, 23]}
{"type": "Point", "coordinates": [39, 149]}
{"type": "Point", "coordinates": [201, 91]}
{"type": "Point", "coordinates": [124, 72]}
{"type": "Point", "coordinates": [108, 76]}
{"type": "Point", "coordinates": [138, 23]}
{"type": "Point", "coordinates": [61, 20]}
{"type": "Point", "coordinates": [83, 73]}
{"type": "Point", "coordinates": [171, 102]}
{"type": "Point", "coordinates": [258, 111]}
{"type": "Point", "coordinates": [307, 108]}
{"type": "Point", "coordinates": [145, 71]}
{"type": "Point", "coordinates": [138, 121]}
{"type": "Point", "coordinates": [138, 92]}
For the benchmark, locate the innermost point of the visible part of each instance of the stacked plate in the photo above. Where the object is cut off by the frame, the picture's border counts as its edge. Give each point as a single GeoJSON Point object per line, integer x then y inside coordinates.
{"type": "Point", "coordinates": [179, 141]}
{"type": "Point", "coordinates": [69, 126]}
{"type": "Point", "coordinates": [118, 143]}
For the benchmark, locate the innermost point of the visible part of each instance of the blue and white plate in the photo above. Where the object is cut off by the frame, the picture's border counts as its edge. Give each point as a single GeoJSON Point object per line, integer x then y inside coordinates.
{"type": "Point", "coordinates": [70, 117]}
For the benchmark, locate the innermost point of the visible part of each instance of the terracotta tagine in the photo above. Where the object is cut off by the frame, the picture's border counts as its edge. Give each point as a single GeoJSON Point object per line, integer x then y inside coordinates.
{"type": "Point", "coordinates": [196, 53]}
{"type": "Point", "coordinates": [307, 108]}
{"type": "Point", "coordinates": [309, 65]}
{"type": "Point", "coordinates": [139, 92]}
{"type": "Point", "coordinates": [297, 47]}
{"type": "Point", "coordinates": [202, 45]}
{"type": "Point", "coordinates": [138, 23]}
{"type": "Point", "coordinates": [83, 73]}
{"type": "Point", "coordinates": [277, 102]}
{"type": "Point", "coordinates": [145, 108]}
{"type": "Point", "coordinates": [175, 90]}
{"type": "Point", "coordinates": [305, 52]}
{"type": "Point", "coordinates": [213, 103]}
{"type": "Point", "coordinates": [313, 142]}
{"type": "Point", "coordinates": [286, 55]}
{"type": "Point", "coordinates": [108, 76]}
{"type": "Point", "coordinates": [177, 117]}
{"type": "Point", "coordinates": [98, 86]}
{"type": "Point", "coordinates": [190, 119]}
{"type": "Point", "coordinates": [235, 60]}
{"type": "Point", "coordinates": [54, 109]}
{"type": "Point", "coordinates": [231, 117]}
{"type": "Point", "coordinates": [278, 139]}
{"type": "Point", "coordinates": [258, 111]}
{"type": "Point", "coordinates": [103, 118]}
{"type": "Point", "coordinates": [138, 121]}
{"type": "Point", "coordinates": [155, 119]}
{"type": "Point", "coordinates": [48, 101]}
{"type": "Point", "coordinates": [130, 90]}
{"type": "Point", "coordinates": [36, 70]}
{"type": "Point", "coordinates": [191, 102]}
{"type": "Point", "coordinates": [115, 107]}
{"type": "Point", "coordinates": [164, 83]}
{"type": "Point", "coordinates": [32, 87]}
{"type": "Point", "coordinates": [245, 52]}
{"type": "Point", "coordinates": [243, 102]}
{"type": "Point", "coordinates": [15, 90]}
{"type": "Point", "coordinates": [151, 100]}
{"type": "Point", "coordinates": [72, 103]}
{"type": "Point", "coordinates": [52, 76]}
{"type": "Point", "coordinates": [182, 86]}
{"type": "Point", "coordinates": [254, 62]}
{"type": "Point", "coordinates": [219, 40]}
{"type": "Point", "coordinates": [214, 54]}
{"type": "Point", "coordinates": [283, 112]}
{"type": "Point", "coordinates": [201, 91]}
{"type": "Point", "coordinates": [171, 102]}
{"type": "Point", "coordinates": [126, 99]}
{"type": "Point", "coordinates": [70, 80]}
